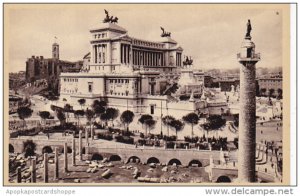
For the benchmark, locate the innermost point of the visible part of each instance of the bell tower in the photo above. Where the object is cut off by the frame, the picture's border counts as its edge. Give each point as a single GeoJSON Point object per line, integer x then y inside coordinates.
{"type": "Point", "coordinates": [55, 51]}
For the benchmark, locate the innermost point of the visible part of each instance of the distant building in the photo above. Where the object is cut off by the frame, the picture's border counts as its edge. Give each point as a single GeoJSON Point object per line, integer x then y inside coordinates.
{"type": "Point", "coordinates": [268, 83]}
{"type": "Point", "coordinates": [225, 84]}
{"type": "Point", "coordinates": [16, 80]}
{"type": "Point", "coordinates": [39, 68]}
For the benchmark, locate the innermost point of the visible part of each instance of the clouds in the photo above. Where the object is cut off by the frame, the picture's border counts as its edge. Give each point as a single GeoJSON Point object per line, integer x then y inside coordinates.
{"type": "Point", "coordinates": [210, 34]}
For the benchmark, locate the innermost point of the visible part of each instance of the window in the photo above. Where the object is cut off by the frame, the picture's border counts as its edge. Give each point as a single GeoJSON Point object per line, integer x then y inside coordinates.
{"type": "Point", "coordinates": [152, 109]}
{"type": "Point", "coordinates": [90, 87]}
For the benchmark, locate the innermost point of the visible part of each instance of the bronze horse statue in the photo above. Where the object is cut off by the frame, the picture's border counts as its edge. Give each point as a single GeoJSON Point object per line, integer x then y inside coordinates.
{"type": "Point", "coordinates": [110, 19]}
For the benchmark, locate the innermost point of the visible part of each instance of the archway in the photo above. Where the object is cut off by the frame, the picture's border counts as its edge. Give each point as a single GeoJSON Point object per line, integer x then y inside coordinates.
{"type": "Point", "coordinates": [96, 156]}
{"type": "Point", "coordinates": [134, 159]}
{"type": "Point", "coordinates": [195, 162]}
{"type": "Point", "coordinates": [69, 150]}
{"type": "Point", "coordinates": [47, 149]}
{"type": "Point", "coordinates": [223, 179]}
{"type": "Point", "coordinates": [176, 161]}
{"type": "Point", "coordinates": [115, 158]}
{"type": "Point", "coordinates": [152, 160]}
{"type": "Point", "coordinates": [11, 148]}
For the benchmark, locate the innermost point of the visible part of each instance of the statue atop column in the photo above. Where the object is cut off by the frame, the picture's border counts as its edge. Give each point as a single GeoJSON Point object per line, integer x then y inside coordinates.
{"type": "Point", "coordinates": [249, 28]}
{"type": "Point", "coordinates": [109, 19]}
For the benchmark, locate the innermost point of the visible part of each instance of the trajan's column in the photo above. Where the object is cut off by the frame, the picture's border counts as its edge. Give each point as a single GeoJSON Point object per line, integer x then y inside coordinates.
{"type": "Point", "coordinates": [247, 120]}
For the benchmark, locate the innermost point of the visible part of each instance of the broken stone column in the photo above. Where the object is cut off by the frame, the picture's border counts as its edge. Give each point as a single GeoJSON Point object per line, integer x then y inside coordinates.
{"type": "Point", "coordinates": [66, 156]}
{"type": "Point", "coordinates": [80, 145]}
{"type": "Point", "coordinates": [222, 159]}
{"type": "Point", "coordinates": [46, 177]}
{"type": "Point", "coordinates": [33, 170]}
{"type": "Point", "coordinates": [73, 151]}
{"type": "Point", "coordinates": [19, 175]}
{"type": "Point", "coordinates": [211, 161]}
{"type": "Point", "coordinates": [86, 136]}
{"type": "Point", "coordinates": [56, 169]}
{"type": "Point", "coordinates": [92, 132]}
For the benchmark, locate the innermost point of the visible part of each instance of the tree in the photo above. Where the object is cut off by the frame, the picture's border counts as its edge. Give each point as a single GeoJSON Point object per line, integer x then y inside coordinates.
{"type": "Point", "coordinates": [77, 114]}
{"type": "Point", "coordinates": [167, 120]}
{"type": "Point", "coordinates": [177, 125]}
{"type": "Point", "coordinates": [61, 117]}
{"type": "Point", "coordinates": [191, 119]}
{"type": "Point", "coordinates": [29, 148]}
{"type": "Point", "coordinates": [99, 107]}
{"type": "Point", "coordinates": [127, 117]}
{"type": "Point", "coordinates": [90, 114]}
{"type": "Point", "coordinates": [150, 124]}
{"type": "Point", "coordinates": [44, 115]}
{"type": "Point", "coordinates": [143, 119]}
{"type": "Point", "coordinates": [214, 122]}
{"type": "Point", "coordinates": [112, 113]}
{"type": "Point", "coordinates": [104, 117]}
{"type": "Point", "coordinates": [81, 102]}
{"type": "Point", "coordinates": [67, 109]}
{"type": "Point", "coordinates": [23, 113]}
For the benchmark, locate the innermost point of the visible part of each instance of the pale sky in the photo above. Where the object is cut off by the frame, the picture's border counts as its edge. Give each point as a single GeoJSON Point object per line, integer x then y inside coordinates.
{"type": "Point", "coordinates": [211, 35]}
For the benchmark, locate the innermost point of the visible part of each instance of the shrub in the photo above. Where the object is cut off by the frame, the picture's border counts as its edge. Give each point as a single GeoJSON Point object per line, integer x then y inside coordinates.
{"type": "Point", "coordinates": [124, 139]}
{"type": "Point", "coordinates": [105, 136]}
{"type": "Point", "coordinates": [170, 138]}
{"type": "Point", "coordinates": [170, 144]}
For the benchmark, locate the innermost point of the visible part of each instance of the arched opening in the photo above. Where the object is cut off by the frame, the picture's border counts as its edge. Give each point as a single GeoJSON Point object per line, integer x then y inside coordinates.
{"type": "Point", "coordinates": [223, 179]}
{"type": "Point", "coordinates": [195, 163]}
{"type": "Point", "coordinates": [83, 150]}
{"type": "Point", "coordinates": [69, 150]}
{"type": "Point", "coordinates": [29, 148]}
{"type": "Point", "coordinates": [47, 149]}
{"type": "Point", "coordinates": [134, 159]}
{"type": "Point", "coordinates": [176, 161]}
{"type": "Point", "coordinates": [97, 157]}
{"type": "Point", "coordinates": [152, 160]}
{"type": "Point", "coordinates": [11, 148]}
{"type": "Point", "coordinates": [115, 158]}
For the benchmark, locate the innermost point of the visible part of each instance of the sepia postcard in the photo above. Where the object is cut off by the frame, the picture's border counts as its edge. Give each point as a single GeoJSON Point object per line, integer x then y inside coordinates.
{"type": "Point", "coordinates": [146, 94]}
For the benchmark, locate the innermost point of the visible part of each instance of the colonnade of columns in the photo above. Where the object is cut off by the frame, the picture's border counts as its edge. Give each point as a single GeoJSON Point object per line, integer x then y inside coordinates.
{"type": "Point", "coordinates": [148, 58]}
{"type": "Point", "coordinates": [100, 53]}
{"type": "Point", "coordinates": [125, 53]}
{"type": "Point", "coordinates": [33, 167]}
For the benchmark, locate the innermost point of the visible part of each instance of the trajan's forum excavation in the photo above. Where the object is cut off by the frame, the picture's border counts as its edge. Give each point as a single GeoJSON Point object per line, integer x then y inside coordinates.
{"type": "Point", "coordinates": [130, 94]}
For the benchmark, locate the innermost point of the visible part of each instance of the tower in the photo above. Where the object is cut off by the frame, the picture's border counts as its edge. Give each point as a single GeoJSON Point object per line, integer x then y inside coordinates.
{"type": "Point", "coordinates": [247, 116]}
{"type": "Point", "coordinates": [55, 51]}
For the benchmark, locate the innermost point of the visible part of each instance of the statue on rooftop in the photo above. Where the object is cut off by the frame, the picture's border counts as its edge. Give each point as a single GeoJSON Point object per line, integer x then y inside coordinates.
{"type": "Point", "coordinates": [164, 33]}
{"type": "Point", "coordinates": [110, 19]}
{"type": "Point", "coordinates": [249, 28]}
{"type": "Point", "coordinates": [188, 61]}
